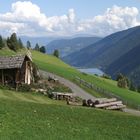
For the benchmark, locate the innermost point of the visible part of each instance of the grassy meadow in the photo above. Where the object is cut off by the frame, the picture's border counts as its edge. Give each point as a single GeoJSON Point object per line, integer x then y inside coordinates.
{"type": "Point", "coordinates": [28, 116]}
{"type": "Point", "coordinates": [32, 116]}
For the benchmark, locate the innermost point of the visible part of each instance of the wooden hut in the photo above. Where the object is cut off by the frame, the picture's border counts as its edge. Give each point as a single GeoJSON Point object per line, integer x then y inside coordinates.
{"type": "Point", "coordinates": [15, 70]}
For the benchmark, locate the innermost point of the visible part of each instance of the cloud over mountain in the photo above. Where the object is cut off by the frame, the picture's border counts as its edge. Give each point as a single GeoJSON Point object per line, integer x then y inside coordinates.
{"type": "Point", "coordinates": [26, 18]}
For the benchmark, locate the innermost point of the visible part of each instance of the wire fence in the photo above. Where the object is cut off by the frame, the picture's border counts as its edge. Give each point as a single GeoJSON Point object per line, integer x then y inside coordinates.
{"type": "Point", "coordinates": [106, 93]}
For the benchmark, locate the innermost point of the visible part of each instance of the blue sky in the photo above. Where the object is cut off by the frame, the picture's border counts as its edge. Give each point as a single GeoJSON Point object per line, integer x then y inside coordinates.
{"type": "Point", "coordinates": [83, 8]}
{"type": "Point", "coordinates": [68, 17]}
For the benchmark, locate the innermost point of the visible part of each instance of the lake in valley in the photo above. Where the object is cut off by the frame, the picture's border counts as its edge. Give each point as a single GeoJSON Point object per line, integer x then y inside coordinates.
{"type": "Point", "coordinates": [92, 71]}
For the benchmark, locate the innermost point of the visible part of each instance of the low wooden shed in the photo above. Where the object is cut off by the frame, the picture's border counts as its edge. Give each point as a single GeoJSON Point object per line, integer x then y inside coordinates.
{"type": "Point", "coordinates": [15, 70]}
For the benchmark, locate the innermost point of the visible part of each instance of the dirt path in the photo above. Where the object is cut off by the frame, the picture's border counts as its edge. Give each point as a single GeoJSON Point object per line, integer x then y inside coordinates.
{"type": "Point", "coordinates": [132, 111]}
{"type": "Point", "coordinates": [76, 89]}
{"type": "Point", "coordinates": [80, 92]}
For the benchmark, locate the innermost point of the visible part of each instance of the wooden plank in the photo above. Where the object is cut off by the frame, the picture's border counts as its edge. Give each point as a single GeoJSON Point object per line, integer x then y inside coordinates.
{"type": "Point", "coordinates": [63, 94]}
{"type": "Point", "coordinates": [108, 104]}
{"type": "Point", "coordinates": [115, 107]}
{"type": "Point", "coordinates": [105, 100]}
{"type": "Point", "coordinates": [74, 103]}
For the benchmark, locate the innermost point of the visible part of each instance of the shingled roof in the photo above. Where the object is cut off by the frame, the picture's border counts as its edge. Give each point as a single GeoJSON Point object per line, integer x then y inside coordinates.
{"type": "Point", "coordinates": [9, 62]}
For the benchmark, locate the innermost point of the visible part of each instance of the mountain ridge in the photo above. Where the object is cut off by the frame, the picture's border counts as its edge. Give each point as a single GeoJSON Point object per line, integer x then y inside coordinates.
{"type": "Point", "coordinates": [68, 46]}
{"type": "Point", "coordinates": [97, 49]}
{"type": "Point", "coordinates": [114, 53]}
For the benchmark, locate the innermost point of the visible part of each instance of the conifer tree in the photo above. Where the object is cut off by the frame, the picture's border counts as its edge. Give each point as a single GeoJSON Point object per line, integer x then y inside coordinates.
{"type": "Point", "coordinates": [1, 42]}
{"type": "Point", "coordinates": [37, 48]}
{"type": "Point", "coordinates": [56, 53]}
{"type": "Point", "coordinates": [28, 44]}
{"type": "Point", "coordinates": [43, 49]}
{"type": "Point", "coordinates": [13, 43]}
{"type": "Point", "coordinates": [20, 44]}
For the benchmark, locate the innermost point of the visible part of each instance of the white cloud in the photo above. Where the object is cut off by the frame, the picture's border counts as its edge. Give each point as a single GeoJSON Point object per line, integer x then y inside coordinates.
{"type": "Point", "coordinates": [114, 19]}
{"type": "Point", "coordinates": [71, 16]}
{"type": "Point", "coordinates": [26, 18]}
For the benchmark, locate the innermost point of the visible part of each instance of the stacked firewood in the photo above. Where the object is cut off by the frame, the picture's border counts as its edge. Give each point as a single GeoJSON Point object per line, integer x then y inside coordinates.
{"type": "Point", "coordinates": [104, 103]}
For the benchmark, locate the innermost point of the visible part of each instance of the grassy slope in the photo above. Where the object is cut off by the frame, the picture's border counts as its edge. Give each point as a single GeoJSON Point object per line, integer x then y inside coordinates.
{"type": "Point", "coordinates": [52, 64]}
{"type": "Point", "coordinates": [31, 116]}
{"type": "Point", "coordinates": [27, 116]}
{"type": "Point", "coordinates": [7, 52]}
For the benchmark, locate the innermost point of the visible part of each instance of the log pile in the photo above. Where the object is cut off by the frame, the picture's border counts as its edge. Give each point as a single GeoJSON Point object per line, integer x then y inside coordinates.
{"type": "Point", "coordinates": [104, 103]}
{"type": "Point", "coordinates": [62, 96]}
{"type": "Point", "coordinates": [74, 103]}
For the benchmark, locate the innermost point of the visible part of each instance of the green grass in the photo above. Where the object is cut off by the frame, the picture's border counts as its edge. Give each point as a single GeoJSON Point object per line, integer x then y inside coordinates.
{"type": "Point", "coordinates": [6, 51]}
{"type": "Point", "coordinates": [28, 116]}
{"type": "Point", "coordinates": [54, 65]}
{"type": "Point", "coordinates": [31, 116]}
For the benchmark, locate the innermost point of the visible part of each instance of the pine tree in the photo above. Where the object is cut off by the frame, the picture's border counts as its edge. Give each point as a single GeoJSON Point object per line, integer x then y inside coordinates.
{"type": "Point", "coordinates": [119, 76]}
{"type": "Point", "coordinates": [43, 49]}
{"type": "Point", "coordinates": [56, 53]}
{"type": "Point", "coordinates": [20, 44]}
{"type": "Point", "coordinates": [132, 87]}
{"type": "Point", "coordinates": [13, 43]}
{"type": "Point", "coordinates": [138, 89]}
{"type": "Point", "coordinates": [28, 44]}
{"type": "Point", "coordinates": [37, 48]}
{"type": "Point", "coordinates": [123, 81]}
{"type": "Point", "coordinates": [1, 42]}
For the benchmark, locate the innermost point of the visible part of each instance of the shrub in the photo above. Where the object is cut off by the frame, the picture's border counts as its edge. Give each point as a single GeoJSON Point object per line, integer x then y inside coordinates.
{"type": "Point", "coordinates": [62, 89]}
{"type": "Point", "coordinates": [122, 83]}
{"type": "Point", "coordinates": [56, 53]}
{"type": "Point", "coordinates": [132, 87]}
{"type": "Point", "coordinates": [84, 103]}
{"type": "Point", "coordinates": [7, 87]}
{"type": "Point", "coordinates": [138, 89]}
{"type": "Point", "coordinates": [119, 76]}
{"type": "Point", "coordinates": [24, 88]}
{"type": "Point", "coordinates": [106, 76]}
{"type": "Point", "coordinates": [84, 73]}
{"type": "Point", "coordinates": [50, 94]}
{"type": "Point", "coordinates": [39, 85]}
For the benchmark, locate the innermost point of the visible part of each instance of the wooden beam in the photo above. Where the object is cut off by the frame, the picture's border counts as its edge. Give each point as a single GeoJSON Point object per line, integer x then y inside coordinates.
{"type": "Point", "coordinates": [108, 104]}
{"type": "Point", "coordinates": [116, 107]}
{"type": "Point", "coordinates": [17, 78]}
{"type": "Point", "coordinates": [105, 100]}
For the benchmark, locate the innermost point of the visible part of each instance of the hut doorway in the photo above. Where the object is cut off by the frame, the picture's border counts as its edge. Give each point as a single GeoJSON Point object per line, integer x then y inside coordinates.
{"type": "Point", "coordinates": [8, 80]}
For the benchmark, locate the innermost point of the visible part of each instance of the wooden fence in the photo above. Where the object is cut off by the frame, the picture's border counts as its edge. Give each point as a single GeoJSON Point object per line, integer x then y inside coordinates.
{"type": "Point", "coordinates": [106, 93]}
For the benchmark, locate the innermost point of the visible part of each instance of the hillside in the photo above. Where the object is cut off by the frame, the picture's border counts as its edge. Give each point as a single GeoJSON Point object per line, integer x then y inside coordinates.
{"type": "Point", "coordinates": [40, 40]}
{"type": "Point", "coordinates": [128, 64]}
{"type": "Point", "coordinates": [107, 50]}
{"type": "Point", "coordinates": [54, 65]}
{"type": "Point", "coordinates": [31, 116]}
{"type": "Point", "coordinates": [118, 52]}
{"type": "Point", "coordinates": [6, 51]}
{"type": "Point", "coordinates": [34, 116]}
{"type": "Point", "coordinates": [68, 46]}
